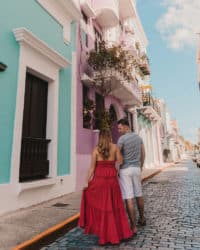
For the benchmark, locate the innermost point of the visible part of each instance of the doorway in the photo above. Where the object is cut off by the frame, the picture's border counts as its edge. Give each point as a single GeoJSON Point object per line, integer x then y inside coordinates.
{"type": "Point", "coordinates": [34, 163]}
{"type": "Point", "coordinates": [114, 127]}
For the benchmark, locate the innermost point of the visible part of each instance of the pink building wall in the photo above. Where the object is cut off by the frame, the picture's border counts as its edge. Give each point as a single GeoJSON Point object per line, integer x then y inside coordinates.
{"type": "Point", "coordinates": [87, 138]}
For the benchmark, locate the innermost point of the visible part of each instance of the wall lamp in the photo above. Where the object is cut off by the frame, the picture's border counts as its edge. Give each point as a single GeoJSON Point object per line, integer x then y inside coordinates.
{"type": "Point", "coordinates": [2, 66]}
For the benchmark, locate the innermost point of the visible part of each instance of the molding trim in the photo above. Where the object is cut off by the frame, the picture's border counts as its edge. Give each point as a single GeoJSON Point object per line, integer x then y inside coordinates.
{"type": "Point", "coordinates": [37, 58]}
{"type": "Point", "coordinates": [24, 36]}
{"type": "Point", "coordinates": [35, 184]}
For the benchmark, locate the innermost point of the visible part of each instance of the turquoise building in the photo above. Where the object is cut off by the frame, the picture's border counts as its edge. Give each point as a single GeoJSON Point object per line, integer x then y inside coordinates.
{"type": "Point", "coordinates": [37, 72]}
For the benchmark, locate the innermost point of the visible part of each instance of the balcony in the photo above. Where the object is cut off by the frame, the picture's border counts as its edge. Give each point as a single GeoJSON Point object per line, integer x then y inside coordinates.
{"type": "Point", "coordinates": [113, 74]}
{"type": "Point", "coordinates": [86, 6]}
{"type": "Point", "coordinates": [34, 163]}
{"type": "Point", "coordinates": [129, 93]}
{"type": "Point", "coordinates": [128, 42]}
{"type": "Point", "coordinates": [107, 14]}
{"type": "Point", "coordinates": [127, 9]}
{"type": "Point", "coordinates": [150, 108]}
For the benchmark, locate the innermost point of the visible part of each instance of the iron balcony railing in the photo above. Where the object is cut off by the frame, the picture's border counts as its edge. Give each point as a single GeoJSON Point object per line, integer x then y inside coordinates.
{"type": "Point", "coordinates": [34, 162]}
{"type": "Point", "coordinates": [148, 100]}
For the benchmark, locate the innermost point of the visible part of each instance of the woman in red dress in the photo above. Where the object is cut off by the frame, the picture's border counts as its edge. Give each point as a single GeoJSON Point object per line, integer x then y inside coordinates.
{"type": "Point", "coordinates": [102, 209]}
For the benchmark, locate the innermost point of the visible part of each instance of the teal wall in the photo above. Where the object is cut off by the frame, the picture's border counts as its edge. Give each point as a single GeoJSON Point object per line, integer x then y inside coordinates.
{"type": "Point", "coordinates": [64, 135]}
{"type": "Point", "coordinates": [29, 14]}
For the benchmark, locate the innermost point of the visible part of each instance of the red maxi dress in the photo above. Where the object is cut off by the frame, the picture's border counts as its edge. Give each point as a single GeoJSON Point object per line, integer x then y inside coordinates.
{"type": "Point", "coordinates": [102, 209]}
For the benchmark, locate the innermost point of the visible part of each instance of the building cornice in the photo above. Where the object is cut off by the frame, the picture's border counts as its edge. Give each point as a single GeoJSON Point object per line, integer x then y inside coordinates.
{"type": "Point", "coordinates": [24, 36]}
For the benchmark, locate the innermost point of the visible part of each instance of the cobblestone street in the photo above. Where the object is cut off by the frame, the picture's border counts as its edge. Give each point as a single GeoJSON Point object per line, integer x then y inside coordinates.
{"type": "Point", "coordinates": [172, 209]}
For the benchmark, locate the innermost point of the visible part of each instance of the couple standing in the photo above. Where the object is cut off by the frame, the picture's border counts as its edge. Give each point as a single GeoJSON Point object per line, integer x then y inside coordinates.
{"type": "Point", "coordinates": [102, 209]}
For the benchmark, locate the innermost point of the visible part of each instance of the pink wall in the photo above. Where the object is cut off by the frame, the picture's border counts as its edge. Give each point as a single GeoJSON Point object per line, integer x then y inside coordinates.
{"type": "Point", "coordinates": [99, 4]}
{"type": "Point", "coordinates": [87, 138]}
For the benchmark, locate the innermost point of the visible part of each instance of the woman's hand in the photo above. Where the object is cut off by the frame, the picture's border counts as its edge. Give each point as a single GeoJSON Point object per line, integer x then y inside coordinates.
{"type": "Point", "coordinates": [85, 185]}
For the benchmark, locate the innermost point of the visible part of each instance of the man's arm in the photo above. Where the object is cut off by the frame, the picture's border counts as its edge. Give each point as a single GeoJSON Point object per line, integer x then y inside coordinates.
{"type": "Point", "coordinates": [120, 143]}
{"type": "Point", "coordinates": [120, 148]}
{"type": "Point", "coordinates": [142, 156]}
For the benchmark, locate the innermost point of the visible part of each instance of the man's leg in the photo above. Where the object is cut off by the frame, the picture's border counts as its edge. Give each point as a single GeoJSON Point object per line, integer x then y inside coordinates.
{"type": "Point", "coordinates": [127, 193]}
{"type": "Point", "coordinates": [138, 193]}
{"type": "Point", "coordinates": [131, 212]}
{"type": "Point", "coordinates": [140, 206]}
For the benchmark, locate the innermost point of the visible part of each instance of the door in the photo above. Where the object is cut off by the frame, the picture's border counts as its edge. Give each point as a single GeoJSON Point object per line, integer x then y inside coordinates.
{"type": "Point", "coordinates": [34, 163]}
{"type": "Point", "coordinates": [114, 125]}
{"type": "Point", "coordinates": [99, 110]}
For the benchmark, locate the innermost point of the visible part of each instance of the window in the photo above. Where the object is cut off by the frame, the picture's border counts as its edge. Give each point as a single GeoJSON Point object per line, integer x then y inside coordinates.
{"type": "Point", "coordinates": [99, 110]}
{"type": "Point", "coordinates": [34, 163]}
{"type": "Point", "coordinates": [84, 38]}
{"type": "Point", "coordinates": [43, 63]}
{"type": "Point", "coordinates": [131, 122]}
{"type": "Point", "coordinates": [129, 116]}
{"type": "Point", "coordinates": [88, 109]}
{"type": "Point", "coordinates": [85, 18]}
{"type": "Point", "coordinates": [98, 38]}
{"type": "Point", "coordinates": [121, 29]}
{"type": "Point", "coordinates": [99, 102]}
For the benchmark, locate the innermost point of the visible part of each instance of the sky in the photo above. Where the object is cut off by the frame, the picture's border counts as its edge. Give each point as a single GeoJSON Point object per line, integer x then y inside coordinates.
{"type": "Point", "coordinates": [171, 27]}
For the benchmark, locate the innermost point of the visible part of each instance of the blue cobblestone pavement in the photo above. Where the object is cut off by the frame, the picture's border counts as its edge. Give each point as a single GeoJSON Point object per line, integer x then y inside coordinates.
{"type": "Point", "coordinates": [172, 208]}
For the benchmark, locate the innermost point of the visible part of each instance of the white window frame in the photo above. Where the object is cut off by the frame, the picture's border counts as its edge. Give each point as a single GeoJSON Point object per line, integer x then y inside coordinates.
{"type": "Point", "coordinates": [44, 62]}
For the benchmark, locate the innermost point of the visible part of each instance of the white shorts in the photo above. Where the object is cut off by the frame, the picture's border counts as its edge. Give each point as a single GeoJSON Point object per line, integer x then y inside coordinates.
{"type": "Point", "coordinates": [130, 182]}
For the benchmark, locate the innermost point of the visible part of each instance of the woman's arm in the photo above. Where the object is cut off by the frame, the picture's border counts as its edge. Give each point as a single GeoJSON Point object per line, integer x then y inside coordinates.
{"type": "Point", "coordinates": [92, 166]}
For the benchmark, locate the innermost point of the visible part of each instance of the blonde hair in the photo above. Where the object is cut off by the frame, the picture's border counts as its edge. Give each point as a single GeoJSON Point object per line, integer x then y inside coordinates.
{"type": "Point", "coordinates": [103, 146]}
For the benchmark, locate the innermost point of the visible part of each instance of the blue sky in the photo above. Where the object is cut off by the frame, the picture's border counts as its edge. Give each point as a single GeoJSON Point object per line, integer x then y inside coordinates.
{"type": "Point", "coordinates": [172, 51]}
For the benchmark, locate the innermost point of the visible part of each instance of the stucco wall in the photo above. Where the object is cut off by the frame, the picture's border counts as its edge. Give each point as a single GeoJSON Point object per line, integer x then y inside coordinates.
{"type": "Point", "coordinates": [32, 16]}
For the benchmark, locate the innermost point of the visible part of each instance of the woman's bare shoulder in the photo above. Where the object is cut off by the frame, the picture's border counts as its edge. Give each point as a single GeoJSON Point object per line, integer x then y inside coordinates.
{"type": "Point", "coordinates": [114, 146]}
{"type": "Point", "coordinates": [95, 150]}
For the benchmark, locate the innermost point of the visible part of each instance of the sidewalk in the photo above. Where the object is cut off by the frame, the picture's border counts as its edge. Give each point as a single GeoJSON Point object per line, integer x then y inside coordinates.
{"type": "Point", "coordinates": [24, 224]}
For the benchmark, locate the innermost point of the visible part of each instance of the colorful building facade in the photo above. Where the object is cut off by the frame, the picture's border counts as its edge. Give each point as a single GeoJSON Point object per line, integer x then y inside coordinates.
{"type": "Point", "coordinates": [149, 128]}
{"type": "Point", "coordinates": [115, 22]}
{"type": "Point", "coordinates": [53, 101]}
{"type": "Point", "coordinates": [36, 144]}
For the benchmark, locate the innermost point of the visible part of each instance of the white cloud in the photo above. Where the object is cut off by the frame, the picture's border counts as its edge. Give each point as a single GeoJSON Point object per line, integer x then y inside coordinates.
{"type": "Point", "coordinates": [180, 23]}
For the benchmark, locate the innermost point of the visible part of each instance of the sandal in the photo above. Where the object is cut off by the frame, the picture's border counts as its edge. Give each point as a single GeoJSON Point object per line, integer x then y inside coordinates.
{"type": "Point", "coordinates": [142, 223]}
{"type": "Point", "coordinates": [134, 231]}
